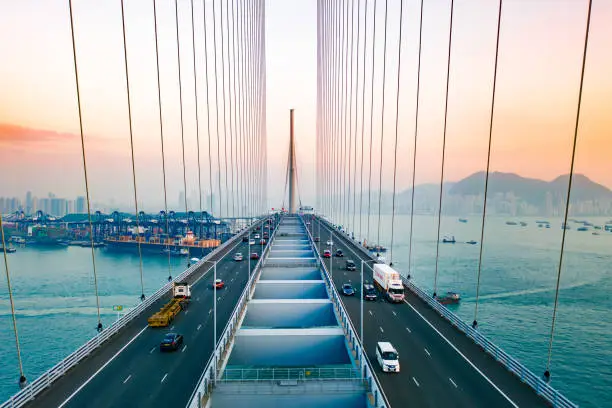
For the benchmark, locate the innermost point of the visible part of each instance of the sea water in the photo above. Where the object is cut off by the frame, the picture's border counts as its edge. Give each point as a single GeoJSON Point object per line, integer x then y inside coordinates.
{"type": "Point", "coordinates": [56, 308]}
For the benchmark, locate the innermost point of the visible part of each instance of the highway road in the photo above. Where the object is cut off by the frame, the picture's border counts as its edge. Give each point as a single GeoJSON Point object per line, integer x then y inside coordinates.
{"type": "Point", "coordinates": [131, 371]}
{"type": "Point", "coordinates": [434, 373]}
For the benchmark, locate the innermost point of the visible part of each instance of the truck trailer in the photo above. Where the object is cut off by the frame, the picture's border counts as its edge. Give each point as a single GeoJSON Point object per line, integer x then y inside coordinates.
{"type": "Point", "coordinates": [389, 281]}
{"type": "Point", "coordinates": [181, 295]}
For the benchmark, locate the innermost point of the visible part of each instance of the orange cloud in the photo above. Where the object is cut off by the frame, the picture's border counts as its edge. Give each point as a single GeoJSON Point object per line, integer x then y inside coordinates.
{"type": "Point", "coordinates": [14, 135]}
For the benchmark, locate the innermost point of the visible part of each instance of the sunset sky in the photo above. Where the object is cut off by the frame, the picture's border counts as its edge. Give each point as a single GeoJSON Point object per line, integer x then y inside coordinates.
{"type": "Point", "coordinates": [539, 72]}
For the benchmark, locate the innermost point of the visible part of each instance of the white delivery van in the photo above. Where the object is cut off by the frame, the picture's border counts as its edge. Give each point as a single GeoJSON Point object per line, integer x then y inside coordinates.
{"type": "Point", "coordinates": [387, 357]}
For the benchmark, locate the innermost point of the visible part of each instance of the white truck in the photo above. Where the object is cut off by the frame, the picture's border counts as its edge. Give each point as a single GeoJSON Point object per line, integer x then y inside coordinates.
{"type": "Point", "coordinates": [389, 282]}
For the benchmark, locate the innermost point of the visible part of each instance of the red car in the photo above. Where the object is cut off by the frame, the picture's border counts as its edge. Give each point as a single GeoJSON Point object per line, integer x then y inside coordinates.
{"type": "Point", "coordinates": [262, 242]}
{"type": "Point", "coordinates": [219, 284]}
{"type": "Point", "coordinates": [254, 255]}
{"type": "Point", "coordinates": [327, 253]}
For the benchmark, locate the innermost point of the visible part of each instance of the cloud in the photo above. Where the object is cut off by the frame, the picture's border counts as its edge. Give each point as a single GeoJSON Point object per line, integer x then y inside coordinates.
{"type": "Point", "coordinates": [15, 135]}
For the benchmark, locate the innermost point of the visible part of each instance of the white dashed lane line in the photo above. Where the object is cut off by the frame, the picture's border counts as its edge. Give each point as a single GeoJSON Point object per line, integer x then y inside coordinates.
{"type": "Point", "coordinates": [127, 379]}
{"type": "Point", "coordinates": [164, 378]}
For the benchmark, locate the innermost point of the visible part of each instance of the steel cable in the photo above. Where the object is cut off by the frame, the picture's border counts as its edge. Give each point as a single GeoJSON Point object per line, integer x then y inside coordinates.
{"type": "Point", "coordinates": [371, 118]}
{"type": "Point", "coordinates": [197, 121]}
{"type": "Point", "coordinates": [230, 103]}
{"type": "Point", "coordinates": [78, 95]}
{"type": "Point", "coordinates": [227, 193]}
{"type": "Point", "coordinates": [416, 131]}
{"type": "Point", "coordinates": [484, 209]}
{"type": "Point", "coordinates": [208, 109]}
{"type": "Point", "coordinates": [363, 94]}
{"type": "Point", "coordinates": [350, 119]}
{"type": "Point", "coordinates": [569, 190]}
{"type": "Point", "coordinates": [129, 104]}
{"type": "Point", "coordinates": [450, 38]}
{"type": "Point", "coordinates": [356, 113]}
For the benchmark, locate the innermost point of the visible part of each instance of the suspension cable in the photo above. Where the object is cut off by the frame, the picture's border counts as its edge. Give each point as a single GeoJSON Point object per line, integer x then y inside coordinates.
{"type": "Point", "coordinates": [371, 118]}
{"type": "Point", "coordinates": [229, 95]}
{"type": "Point", "coordinates": [382, 122]}
{"type": "Point", "coordinates": [363, 87]}
{"type": "Point", "coordinates": [399, 69]}
{"type": "Point", "coordinates": [227, 192]}
{"type": "Point", "coordinates": [178, 55]}
{"type": "Point", "coordinates": [22, 378]}
{"type": "Point", "coordinates": [78, 95]}
{"type": "Point", "coordinates": [243, 114]}
{"type": "Point", "coordinates": [127, 86]}
{"type": "Point", "coordinates": [356, 113]}
{"type": "Point", "coordinates": [450, 39]}
{"type": "Point", "coordinates": [237, 106]}
{"type": "Point", "coordinates": [264, 96]}
{"type": "Point", "coordinates": [416, 132]}
{"type": "Point", "coordinates": [195, 91]}
{"type": "Point", "coordinates": [569, 191]}
{"type": "Point", "coordinates": [161, 132]}
{"type": "Point", "coordinates": [484, 209]}
{"type": "Point", "coordinates": [217, 110]}
{"type": "Point", "coordinates": [208, 109]}
{"type": "Point", "coordinates": [345, 156]}
{"type": "Point", "coordinates": [350, 119]}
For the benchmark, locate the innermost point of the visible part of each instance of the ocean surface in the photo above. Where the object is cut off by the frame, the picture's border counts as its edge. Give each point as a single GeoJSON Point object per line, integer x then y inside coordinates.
{"type": "Point", "coordinates": [56, 309]}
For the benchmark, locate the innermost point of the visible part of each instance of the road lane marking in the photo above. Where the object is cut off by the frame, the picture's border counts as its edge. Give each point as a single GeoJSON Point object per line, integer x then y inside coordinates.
{"type": "Point", "coordinates": [409, 331]}
{"type": "Point", "coordinates": [164, 379]}
{"type": "Point", "coordinates": [415, 381]}
{"type": "Point", "coordinates": [381, 330]}
{"type": "Point", "coordinates": [199, 327]}
{"type": "Point", "coordinates": [463, 356]}
{"type": "Point", "coordinates": [394, 314]}
{"type": "Point", "coordinates": [209, 311]}
{"type": "Point", "coordinates": [451, 380]}
{"type": "Point", "coordinates": [186, 311]}
{"type": "Point", "coordinates": [101, 368]}
{"type": "Point", "coordinates": [428, 353]}
{"type": "Point", "coordinates": [446, 340]}
{"type": "Point", "coordinates": [171, 328]}
{"type": "Point", "coordinates": [152, 350]}
{"type": "Point", "coordinates": [197, 299]}
{"type": "Point", "coordinates": [128, 377]}
{"type": "Point", "coordinates": [184, 348]}
{"type": "Point", "coordinates": [370, 313]}
{"type": "Point", "coordinates": [219, 298]}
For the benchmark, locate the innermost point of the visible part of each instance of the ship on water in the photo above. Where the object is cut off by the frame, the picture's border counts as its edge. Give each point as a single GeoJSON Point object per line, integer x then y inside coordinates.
{"type": "Point", "coordinates": [163, 244]}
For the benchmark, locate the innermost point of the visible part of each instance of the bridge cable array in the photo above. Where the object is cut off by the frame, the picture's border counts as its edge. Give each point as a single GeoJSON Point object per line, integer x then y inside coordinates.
{"type": "Point", "coordinates": [363, 94]}
{"type": "Point", "coordinates": [161, 134]}
{"type": "Point", "coordinates": [371, 119]}
{"type": "Point", "coordinates": [397, 98]}
{"type": "Point", "coordinates": [569, 191]}
{"type": "Point", "coordinates": [22, 377]}
{"type": "Point", "coordinates": [448, 65]}
{"type": "Point", "coordinates": [78, 95]}
{"type": "Point", "coordinates": [129, 106]}
{"type": "Point", "coordinates": [484, 209]}
{"type": "Point", "coordinates": [416, 132]}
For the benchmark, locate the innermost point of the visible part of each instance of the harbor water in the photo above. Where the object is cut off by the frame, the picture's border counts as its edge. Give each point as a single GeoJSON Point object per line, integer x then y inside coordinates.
{"type": "Point", "coordinates": [56, 308]}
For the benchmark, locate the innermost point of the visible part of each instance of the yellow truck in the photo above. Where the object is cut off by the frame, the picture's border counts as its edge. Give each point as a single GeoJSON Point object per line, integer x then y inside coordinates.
{"type": "Point", "coordinates": [181, 295]}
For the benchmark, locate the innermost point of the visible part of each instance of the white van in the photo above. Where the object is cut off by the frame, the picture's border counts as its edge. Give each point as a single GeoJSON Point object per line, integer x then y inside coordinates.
{"type": "Point", "coordinates": [387, 357]}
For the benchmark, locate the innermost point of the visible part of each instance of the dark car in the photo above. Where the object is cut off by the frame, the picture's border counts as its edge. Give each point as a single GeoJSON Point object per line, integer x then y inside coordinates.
{"type": "Point", "coordinates": [245, 238]}
{"type": "Point", "coordinates": [350, 265]}
{"type": "Point", "coordinates": [369, 292]}
{"type": "Point", "coordinates": [339, 253]}
{"type": "Point", "coordinates": [172, 341]}
{"type": "Point", "coordinates": [317, 239]}
{"type": "Point", "coordinates": [347, 290]}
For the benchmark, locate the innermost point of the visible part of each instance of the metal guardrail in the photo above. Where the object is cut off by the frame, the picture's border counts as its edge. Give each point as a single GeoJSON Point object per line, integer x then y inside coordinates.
{"type": "Point", "coordinates": [302, 374]}
{"type": "Point", "coordinates": [540, 386]}
{"type": "Point", "coordinates": [380, 401]}
{"type": "Point", "coordinates": [30, 391]}
{"type": "Point", "coordinates": [207, 379]}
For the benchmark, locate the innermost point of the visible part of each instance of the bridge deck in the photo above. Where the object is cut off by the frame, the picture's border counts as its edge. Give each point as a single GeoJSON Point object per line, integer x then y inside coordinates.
{"type": "Point", "coordinates": [129, 369]}
{"type": "Point", "coordinates": [433, 354]}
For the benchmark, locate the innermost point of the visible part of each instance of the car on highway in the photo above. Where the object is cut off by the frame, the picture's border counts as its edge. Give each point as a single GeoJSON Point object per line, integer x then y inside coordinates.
{"type": "Point", "coordinates": [339, 253]}
{"type": "Point", "coordinates": [387, 357]}
{"type": "Point", "coordinates": [219, 284]}
{"type": "Point", "coordinates": [257, 236]}
{"type": "Point", "coordinates": [266, 235]}
{"type": "Point", "coordinates": [347, 290]}
{"type": "Point", "coordinates": [369, 291]}
{"type": "Point", "coordinates": [252, 242]}
{"type": "Point", "coordinates": [254, 255]}
{"type": "Point", "coordinates": [238, 257]}
{"type": "Point", "coordinates": [327, 253]}
{"type": "Point", "coordinates": [317, 239]}
{"type": "Point", "coordinates": [262, 242]}
{"type": "Point", "coordinates": [350, 265]}
{"type": "Point", "coordinates": [171, 341]}
{"type": "Point", "coordinates": [329, 242]}
{"type": "Point", "coordinates": [245, 238]}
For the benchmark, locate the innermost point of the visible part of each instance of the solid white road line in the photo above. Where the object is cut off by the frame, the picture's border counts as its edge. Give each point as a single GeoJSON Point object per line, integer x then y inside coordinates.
{"type": "Point", "coordinates": [102, 368]}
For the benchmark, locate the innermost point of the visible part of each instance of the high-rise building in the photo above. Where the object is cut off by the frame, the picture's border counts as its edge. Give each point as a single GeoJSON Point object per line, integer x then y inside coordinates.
{"type": "Point", "coordinates": [28, 203]}
{"type": "Point", "coordinates": [80, 205]}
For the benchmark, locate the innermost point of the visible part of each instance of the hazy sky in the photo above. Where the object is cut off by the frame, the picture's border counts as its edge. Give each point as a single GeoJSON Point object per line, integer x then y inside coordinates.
{"type": "Point", "coordinates": [539, 71]}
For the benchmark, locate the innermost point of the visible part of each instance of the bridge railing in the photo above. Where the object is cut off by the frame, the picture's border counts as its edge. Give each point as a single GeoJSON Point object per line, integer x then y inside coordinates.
{"type": "Point", "coordinates": [30, 391]}
{"type": "Point", "coordinates": [302, 374]}
{"type": "Point", "coordinates": [380, 400]}
{"type": "Point", "coordinates": [207, 379]}
{"type": "Point", "coordinates": [541, 387]}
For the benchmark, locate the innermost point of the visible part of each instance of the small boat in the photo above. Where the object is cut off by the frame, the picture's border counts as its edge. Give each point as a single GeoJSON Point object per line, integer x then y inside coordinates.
{"type": "Point", "coordinates": [195, 260]}
{"type": "Point", "coordinates": [8, 250]}
{"type": "Point", "coordinates": [472, 242]}
{"type": "Point", "coordinates": [376, 248]}
{"type": "Point", "coordinates": [448, 239]}
{"type": "Point", "coordinates": [510, 223]}
{"type": "Point", "coordinates": [582, 229]}
{"type": "Point", "coordinates": [449, 299]}
{"type": "Point", "coordinates": [523, 224]}
{"type": "Point", "coordinates": [597, 227]}
{"type": "Point", "coordinates": [463, 220]}
{"type": "Point", "coordinates": [595, 233]}
{"type": "Point", "coordinates": [540, 225]}
{"type": "Point", "coordinates": [547, 225]}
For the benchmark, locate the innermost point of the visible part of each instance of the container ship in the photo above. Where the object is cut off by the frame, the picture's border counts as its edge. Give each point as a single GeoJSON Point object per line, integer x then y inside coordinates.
{"type": "Point", "coordinates": [162, 244]}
